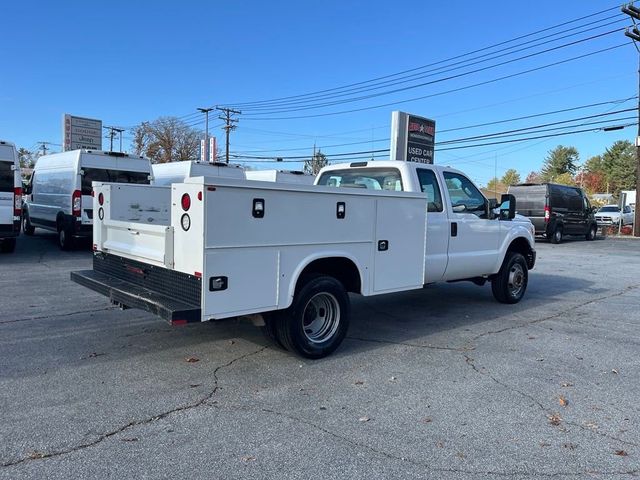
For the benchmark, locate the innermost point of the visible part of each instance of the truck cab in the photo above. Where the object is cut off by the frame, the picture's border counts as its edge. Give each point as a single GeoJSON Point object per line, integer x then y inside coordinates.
{"type": "Point", "coordinates": [467, 238]}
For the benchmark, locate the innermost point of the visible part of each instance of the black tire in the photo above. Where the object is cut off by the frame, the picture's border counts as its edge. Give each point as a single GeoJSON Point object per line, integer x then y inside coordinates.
{"type": "Point", "coordinates": [591, 234]}
{"type": "Point", "coordinates": [270, 329]}
{"type": "Point", "coordinates": [65, 238]}
{"type": "Point", "coordinates": [8, 245]}
{"type": "Point", "coordinates": [556, 236]}
{"type": "Point", "coordinates": [318, 319]}
{"type": "Point", "coordinates": [510, 283]}
{"type": "Point", "coordinates": [27, 228]}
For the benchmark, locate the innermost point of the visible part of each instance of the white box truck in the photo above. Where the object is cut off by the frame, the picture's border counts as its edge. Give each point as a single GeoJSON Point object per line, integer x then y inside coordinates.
{"type": "Point", "coordinates": [288, 255]}
{"type": "Point", "coordinates": [10, 196]}
{"type": "Point", "coordinates": [58, 197]}
{"type": "Point", "coordinates": [282, 176]}
{"type": "Point", "coordinates": [177, 172]}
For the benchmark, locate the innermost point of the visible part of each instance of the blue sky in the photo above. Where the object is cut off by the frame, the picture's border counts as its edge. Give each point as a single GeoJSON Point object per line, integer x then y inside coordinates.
{"type": "Point", "coordinates": [127, 62]}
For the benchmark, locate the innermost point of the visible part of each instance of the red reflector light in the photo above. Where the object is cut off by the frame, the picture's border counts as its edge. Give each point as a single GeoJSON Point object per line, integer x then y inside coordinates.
{"type": "Point", "coordinates": [100, 198]}
{"type": "Point", "coordinates": [185, 201]}
{"type": "Point", "coordinates": [547, 213]}
{"type": "Point", "coordinates": [199, 195]}
{"type": "Point", "coordinates": [17, 201]}
{"type": "Point", "coordinates": [198, 274]}
{"type": "Point", "coordinates": [76, 203]}
{"type": "Point", "coordinates": [178, 322]}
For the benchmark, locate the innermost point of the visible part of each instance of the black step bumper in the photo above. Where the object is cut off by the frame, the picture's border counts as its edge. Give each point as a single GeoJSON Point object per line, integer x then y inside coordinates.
{"type": "Point", "coordinates": [173, 296]}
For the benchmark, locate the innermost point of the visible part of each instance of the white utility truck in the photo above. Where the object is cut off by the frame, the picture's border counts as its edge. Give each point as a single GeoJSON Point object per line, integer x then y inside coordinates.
{"type": "Point", "coordinates": [287, 255]}
{"type": "Point", "coordinates": [10, 196]}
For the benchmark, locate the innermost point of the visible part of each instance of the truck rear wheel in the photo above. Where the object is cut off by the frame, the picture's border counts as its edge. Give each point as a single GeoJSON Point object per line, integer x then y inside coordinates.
{"type": "Point", "coordinates": [556, 236]}
{"type": "Point", "coordinates": [511, 281]}
{"type": "Point", "coordinates": [317, 321]}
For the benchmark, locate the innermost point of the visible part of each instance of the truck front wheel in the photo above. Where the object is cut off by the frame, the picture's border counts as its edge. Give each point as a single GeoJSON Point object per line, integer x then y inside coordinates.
{"type": "Point", "coordinates": [317, 321]}
{"type": "Point", "coordinates": [510, 283]}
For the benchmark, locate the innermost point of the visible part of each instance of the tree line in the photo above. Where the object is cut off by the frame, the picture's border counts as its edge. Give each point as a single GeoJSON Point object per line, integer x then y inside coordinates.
{"type": "Point", "coordinates": [610, 172]}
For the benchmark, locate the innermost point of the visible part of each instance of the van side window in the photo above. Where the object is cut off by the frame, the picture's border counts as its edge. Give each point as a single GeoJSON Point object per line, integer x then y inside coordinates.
{"type": "Point", "coordinates": [115, 176]}
{"type": "Point", "coordinates": [429, 185]}
{"type": "Point", "coordinates": [463, 195]}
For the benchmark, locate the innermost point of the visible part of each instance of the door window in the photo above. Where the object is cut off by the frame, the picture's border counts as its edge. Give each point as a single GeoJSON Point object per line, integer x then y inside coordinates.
{"type": "Point", "coordinates": [429, 185]}
{"type": "Point", "coordinates": [463, 195]}
{"type": "Point", "coordinates": [6, 177]}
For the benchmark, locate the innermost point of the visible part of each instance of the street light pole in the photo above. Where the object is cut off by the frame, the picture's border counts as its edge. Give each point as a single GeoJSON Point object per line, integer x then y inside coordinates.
{"type": "Point", "coordinates": [634, 34]}
{"type": "Point", "coordinates": [206, 129]}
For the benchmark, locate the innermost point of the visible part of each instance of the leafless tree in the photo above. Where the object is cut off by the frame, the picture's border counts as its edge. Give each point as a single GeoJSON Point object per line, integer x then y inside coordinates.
{"type": "Point", "coordinates": [166, 139]}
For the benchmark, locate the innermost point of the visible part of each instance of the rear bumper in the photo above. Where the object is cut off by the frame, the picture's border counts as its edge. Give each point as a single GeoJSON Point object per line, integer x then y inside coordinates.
{"type": "Point", "coordinates": [173, 296]}
{"type": "Point", "coordinates": [10, 230]}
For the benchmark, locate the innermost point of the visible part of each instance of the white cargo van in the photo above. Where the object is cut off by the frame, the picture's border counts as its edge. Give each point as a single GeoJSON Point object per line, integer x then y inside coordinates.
{"type": "Point", "coordinates": [281, 176]}
{"type": "Point", "coordinates": [58, 198]}
{"type": "Point", "coordinates": [177, 172]}
{"type": "Point", "coordinates": [10, 196]}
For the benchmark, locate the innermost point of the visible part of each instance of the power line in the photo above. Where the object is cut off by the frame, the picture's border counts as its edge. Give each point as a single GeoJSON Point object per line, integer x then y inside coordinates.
{"type": "Point", "coordinates": [445, 92]}
{"type": "Point", "coordinates": [431, 82]}
{"type": "Point", "coordinates": [229, 125]}
{"type": "Point", "coordinates": [281, 106]}
{"type": "Point", "coordinates": [505, 42]}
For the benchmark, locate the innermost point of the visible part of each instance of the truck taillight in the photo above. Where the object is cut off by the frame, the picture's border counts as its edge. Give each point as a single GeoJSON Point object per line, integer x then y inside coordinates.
{"type": "Point", "coordinates": [17, 201]}
{"type": "Point", "coordinates": [76, 203]}
{"type": "Point", "coordinates": [547, 213]}
{"type": "Point", "coordinates": [100, 199]}
{"type": "Point", "coordinates": [185, 201]}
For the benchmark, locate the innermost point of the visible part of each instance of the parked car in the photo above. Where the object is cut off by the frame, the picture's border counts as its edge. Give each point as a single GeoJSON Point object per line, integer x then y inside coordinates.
{"type": "Point", "coordinates": [10, 196]}
{"type": "Point", "coordinates": [58, 198]}
{"type": "Point", "coordinates": [610, 215]}
{"type": "Point", "coordinates": [556, 210]}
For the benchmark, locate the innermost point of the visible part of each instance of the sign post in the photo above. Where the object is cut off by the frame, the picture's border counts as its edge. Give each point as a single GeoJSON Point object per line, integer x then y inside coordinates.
{"type": "Point", "coordinates": [79, 132]}
{"type": "Point", "coordinates": [412, 138]}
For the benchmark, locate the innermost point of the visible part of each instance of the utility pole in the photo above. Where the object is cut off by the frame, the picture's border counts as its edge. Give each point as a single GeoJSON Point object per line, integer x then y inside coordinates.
{"type": "Point", "coordinates": [634, 34]}
{"type": "Point", "coordinates": [229, 125]}
{"type": "Point", "coordinates": [112, 134]}
{"type": "Point", "coordinates": [43, 147]}
{"type": "Point", "coordinates": [206, 130]}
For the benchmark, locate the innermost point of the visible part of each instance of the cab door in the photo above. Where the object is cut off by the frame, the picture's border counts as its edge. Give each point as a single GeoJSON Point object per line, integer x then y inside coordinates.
{"type": "Point", "coordinates": [437, 246]}
{"type": "Point", "coordinates": [474, 238]}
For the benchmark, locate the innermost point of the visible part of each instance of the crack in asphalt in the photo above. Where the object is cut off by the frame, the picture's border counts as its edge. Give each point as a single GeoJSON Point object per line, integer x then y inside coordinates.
{"type": "Point", "coordinates": [28, 319]}
{"type": "Point", "coordinates": [407, 344]}
{"type": "Point", "coordinates": [135, 423]}
{"type": "Point", "coordinates": [416, 463]}
{"type": "Point", "coordinates": [483, 371]}
{"type": "Point", "coordinates": [627, 289]}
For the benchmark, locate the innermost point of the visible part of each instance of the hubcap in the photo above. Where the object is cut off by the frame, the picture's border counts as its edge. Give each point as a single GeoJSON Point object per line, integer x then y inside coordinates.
{"type": "Point", "coordinates": [321, 317]}
{"type": "Point", "coordinates": [516, 279]}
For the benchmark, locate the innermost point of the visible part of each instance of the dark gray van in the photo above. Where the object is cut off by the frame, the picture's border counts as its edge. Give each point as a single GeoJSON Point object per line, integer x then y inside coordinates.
{"type": "Point", "coordinates": [555, 210]}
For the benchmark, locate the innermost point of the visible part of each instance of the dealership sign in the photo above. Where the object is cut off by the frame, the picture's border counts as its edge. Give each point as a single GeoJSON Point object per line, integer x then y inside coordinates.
{"type": "Point", "coordinates": [79, 132]}
{"type": "Point", "coordinates": [412, 138]}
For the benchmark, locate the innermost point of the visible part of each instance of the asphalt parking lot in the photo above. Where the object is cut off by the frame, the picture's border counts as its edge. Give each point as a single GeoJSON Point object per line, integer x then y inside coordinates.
{"type": "Point", "coordinates": [440, 383]}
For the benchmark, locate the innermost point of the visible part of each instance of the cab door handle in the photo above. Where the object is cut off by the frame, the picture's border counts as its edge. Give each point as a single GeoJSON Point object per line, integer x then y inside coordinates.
{"type": "Point", "coordinates": [454, 229]}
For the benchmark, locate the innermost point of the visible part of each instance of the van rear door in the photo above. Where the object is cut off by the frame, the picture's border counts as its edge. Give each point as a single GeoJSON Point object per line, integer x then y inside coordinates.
{"type": "Point", "coordinates": [530, 202]}
{"type": "Point", "coordinates": [6, 192]}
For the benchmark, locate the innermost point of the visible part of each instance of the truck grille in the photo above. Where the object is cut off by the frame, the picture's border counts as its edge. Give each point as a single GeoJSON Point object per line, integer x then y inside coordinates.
{"type": "Point", "coordinates": [173, 284]}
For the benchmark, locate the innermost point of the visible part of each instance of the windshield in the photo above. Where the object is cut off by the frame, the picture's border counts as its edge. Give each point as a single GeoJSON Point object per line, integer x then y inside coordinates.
{"type": "Point", "coordinates": [369, 178]}
{"type": "Point", "coordinates": [115, 176]}
{"type": "Point", "coordinates": [610, 208]}
{"type": "Point", "coordinates": [6, 177]}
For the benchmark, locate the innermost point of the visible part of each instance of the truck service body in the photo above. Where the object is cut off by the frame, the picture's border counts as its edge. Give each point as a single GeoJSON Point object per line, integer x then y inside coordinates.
{"type": "Point", "coordinates": [287, 254]}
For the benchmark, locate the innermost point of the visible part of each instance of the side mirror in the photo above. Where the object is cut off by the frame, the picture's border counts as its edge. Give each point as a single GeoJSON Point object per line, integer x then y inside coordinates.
{"type": "Point", "coordinates": [507, 206]}
{"type": "Point", "coordinates": [493, 203]}
{"type": "Point", "coordinates": [27, 188]}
